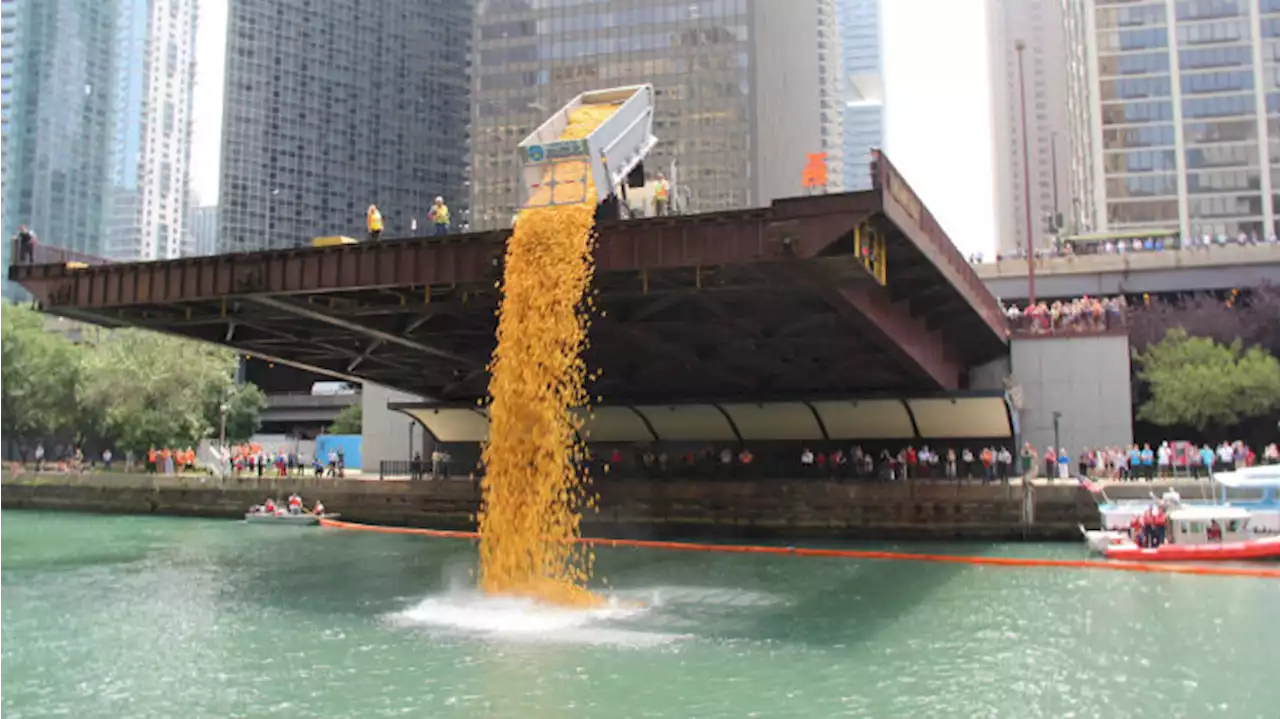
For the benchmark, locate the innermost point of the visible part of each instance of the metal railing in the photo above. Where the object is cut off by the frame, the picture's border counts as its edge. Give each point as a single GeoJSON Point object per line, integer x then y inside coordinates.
{"type": "Point", "coordinates": [49, 255]}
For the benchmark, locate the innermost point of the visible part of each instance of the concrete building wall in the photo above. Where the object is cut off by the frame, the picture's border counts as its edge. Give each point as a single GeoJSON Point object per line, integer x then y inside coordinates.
{"type": "Point", "coordinates": [1084, 378]}
{"type": "Point", "coordinates": [387, 433]}
{"type": "Point", "coordinates": [793, 115]}
{"type": "Point", "coordinates": [1041, 24]}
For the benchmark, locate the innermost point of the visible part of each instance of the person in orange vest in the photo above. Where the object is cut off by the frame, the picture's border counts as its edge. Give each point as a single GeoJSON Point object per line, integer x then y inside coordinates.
{"type": "Point", "coordinates": [373, 219]}
{"type": "Point", "coordinates": [295, 504]}
{"type": "Point", "coordinates": [151, 460]}
{"type": "Point", "coordinates": [661, 195]}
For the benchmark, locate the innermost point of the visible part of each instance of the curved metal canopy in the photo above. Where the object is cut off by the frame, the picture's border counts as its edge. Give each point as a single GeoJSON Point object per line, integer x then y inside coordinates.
{"type": "Point", "coordinates": [933, 418]}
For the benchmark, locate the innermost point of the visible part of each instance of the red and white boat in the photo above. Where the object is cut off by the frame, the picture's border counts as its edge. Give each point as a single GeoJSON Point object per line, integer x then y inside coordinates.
{"type": "Point", "coordinates": [1197, 532]}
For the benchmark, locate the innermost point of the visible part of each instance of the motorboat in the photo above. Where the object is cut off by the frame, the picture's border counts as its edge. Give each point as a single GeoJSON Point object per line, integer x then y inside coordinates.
{"type": "Point", "coordinates": [1224, 530]}
{"type": "Point", "coordinates": [257, 515]}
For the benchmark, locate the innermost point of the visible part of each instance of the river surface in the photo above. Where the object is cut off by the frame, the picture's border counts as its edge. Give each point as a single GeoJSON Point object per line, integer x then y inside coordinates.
{"type": "Point", "coordinates": [144, 617]}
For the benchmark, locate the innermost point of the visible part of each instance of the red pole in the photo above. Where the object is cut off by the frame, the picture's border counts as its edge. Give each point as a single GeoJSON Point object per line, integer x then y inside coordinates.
{"type": "Point", "coordinates": [1026, 180]}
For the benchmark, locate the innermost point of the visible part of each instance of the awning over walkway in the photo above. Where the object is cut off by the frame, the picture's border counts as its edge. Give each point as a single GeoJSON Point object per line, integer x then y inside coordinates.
{"type": "Point", "coordinates": [970, 416]}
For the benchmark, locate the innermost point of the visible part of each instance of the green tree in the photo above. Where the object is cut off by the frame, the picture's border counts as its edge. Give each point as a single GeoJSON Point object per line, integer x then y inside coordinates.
{"type": "Point", "coordinates": [349, 421]}
{"type": "Point", "coordinates": [41, 373]}
{"type": "Point", "coordinates": [146, 389]}
{"type": "Point", "coordinates": [245, 404]}
{"type": "Point", "coordinates": [1198, 382]}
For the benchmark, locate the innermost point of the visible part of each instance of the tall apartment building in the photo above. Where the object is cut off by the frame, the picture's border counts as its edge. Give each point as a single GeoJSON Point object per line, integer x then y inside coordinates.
{"type": "Point", "coordinates": [860, 32]}
{"type": "Point", "coordinates": [151, 146]}
{"type": "Point", "coordinates": [1041, 26]}
{"type": "Point", "coordinates": [333, 105]}
{"type": "Point", "coordinates": [96, 118]}
{"type": "Point", "coordinates": [58, 105]}
{"type": "Point", "coordinates": [203, 227]}
{"type": "Point", "coordinates": [1186, 114]}
{"type": "Point", "coordinates": [745, 90]}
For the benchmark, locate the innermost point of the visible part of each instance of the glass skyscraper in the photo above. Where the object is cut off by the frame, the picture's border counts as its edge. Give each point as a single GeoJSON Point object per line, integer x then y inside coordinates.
{"type": "Point", "coordinates": [151, 144]}
{"type": "Point", "coordinates": [333, 105]}
{"type": "Point", "coordinates": [96, 118]}
{"type": "Point", "coordinates": [864, 109]}
{"type": "Point", "coordinates": [1187, 132]}
{"type": "Point", "coordinates": [59, 120]}
{"type": "Point", "coordinates": [745, 90]}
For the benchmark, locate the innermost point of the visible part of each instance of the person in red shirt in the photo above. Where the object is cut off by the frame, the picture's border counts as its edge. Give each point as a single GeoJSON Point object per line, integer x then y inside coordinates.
{"type": "Point", "coordinates": [270, 506]}
{"type": "Point", "coordinates": [1159, 520]}
{"type": "Point", "coordinates": [1135, 530]}
{"type": "Point", "coordinates": [1148, 527]}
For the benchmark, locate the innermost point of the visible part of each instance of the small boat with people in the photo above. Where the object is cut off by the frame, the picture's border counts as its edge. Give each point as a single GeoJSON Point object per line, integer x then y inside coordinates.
{"type": "Point", "coordinates": [1170, 529]}
{"type": "Point", "coordinates": [291, 514]}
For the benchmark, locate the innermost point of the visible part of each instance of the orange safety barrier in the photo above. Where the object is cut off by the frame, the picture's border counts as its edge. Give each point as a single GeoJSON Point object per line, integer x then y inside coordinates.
{"type": "Point", "coordinates": [1155, 567]}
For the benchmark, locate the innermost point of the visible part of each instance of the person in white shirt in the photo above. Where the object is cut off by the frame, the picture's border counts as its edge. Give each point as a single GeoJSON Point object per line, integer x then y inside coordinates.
{"type": "Point", "coordinates": [1226, 457]}
{"type": "Point", "coordinates": [1164, 455]}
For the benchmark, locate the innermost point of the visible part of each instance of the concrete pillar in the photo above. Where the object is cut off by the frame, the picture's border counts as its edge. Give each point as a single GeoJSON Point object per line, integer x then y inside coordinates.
{"type": "Point", "coordinates": [386, 432]}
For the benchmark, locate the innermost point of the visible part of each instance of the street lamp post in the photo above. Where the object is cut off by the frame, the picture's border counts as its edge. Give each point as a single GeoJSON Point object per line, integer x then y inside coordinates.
{"type": "Point", "coordinates": [1026, 179]}
{"type": "Point", "coordinates": [223, 454]}
{"type": "Point", "coordinates": [1057, 438]}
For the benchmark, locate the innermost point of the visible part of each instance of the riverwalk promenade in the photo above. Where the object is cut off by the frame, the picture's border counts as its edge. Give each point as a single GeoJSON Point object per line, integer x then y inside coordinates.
{"type": "Point", "coordinates": [805, 508]}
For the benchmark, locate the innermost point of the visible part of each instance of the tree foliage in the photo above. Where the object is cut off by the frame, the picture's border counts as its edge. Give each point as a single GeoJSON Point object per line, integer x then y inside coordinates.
{"type": "Point", "coordinates": [41, 374]}
{"type": "Point", "coordinates": [1253, 317]}
{"type": "Point", "coordinates": [349, 421]}
{"type": "Point", "coordinates": [1201, 383]}
{"type": "Point", "coordinates": [132, 390]}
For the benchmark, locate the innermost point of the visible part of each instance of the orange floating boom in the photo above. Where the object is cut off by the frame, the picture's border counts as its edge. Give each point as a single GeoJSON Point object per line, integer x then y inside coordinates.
{"type": "Point", "coordinates": [1158, 568]}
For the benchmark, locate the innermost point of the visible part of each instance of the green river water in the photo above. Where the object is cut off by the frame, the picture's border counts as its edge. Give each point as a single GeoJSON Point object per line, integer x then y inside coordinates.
{"type": "Point", "coordinates": [145, 617]}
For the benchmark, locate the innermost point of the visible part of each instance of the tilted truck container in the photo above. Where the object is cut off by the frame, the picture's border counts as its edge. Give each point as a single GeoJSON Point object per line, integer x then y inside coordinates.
{"type": "Point", "coordinates": [607, 155]}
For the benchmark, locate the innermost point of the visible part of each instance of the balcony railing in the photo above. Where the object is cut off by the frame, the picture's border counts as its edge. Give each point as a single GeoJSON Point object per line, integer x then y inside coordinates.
{"type": "Point", "coordinates": [50, 255]}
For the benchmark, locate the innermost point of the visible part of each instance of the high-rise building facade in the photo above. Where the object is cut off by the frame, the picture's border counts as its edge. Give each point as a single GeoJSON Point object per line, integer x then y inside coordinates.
{"type": "Point", "coordinates": [745, 90]}
{"type": "Point", "coordinates": [203, 227]}
{"type": "Point", "coordinates": [1186, 114]}
{"type": "Point", "coordinates": [58, 81]}
{"type": "Point", "coordinates": [333, 105]}
{"type": "Point", "coordinates": [154, 44]}
{"type": "Point", "coordinates": [860, 32]}
{"type": "Point", "coordinates": [1044, 80]}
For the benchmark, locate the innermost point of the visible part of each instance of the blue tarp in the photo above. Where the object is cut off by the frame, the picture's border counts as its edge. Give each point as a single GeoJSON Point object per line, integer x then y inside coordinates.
{"type": "Point", "coordinates": [350, 445]}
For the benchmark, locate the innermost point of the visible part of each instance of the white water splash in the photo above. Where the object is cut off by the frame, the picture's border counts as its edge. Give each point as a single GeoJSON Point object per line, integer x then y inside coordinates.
{"type": "Point", "coordinates": [526, 620]}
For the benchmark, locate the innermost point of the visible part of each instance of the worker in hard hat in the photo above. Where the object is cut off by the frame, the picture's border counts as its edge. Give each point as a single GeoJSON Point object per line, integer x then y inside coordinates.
{"type": "Point", "coordinates": [374, 221]}
{"type": "Point", "coordinates": [439, 216]}
{"type": "Point", "coordinates": [661, 196]}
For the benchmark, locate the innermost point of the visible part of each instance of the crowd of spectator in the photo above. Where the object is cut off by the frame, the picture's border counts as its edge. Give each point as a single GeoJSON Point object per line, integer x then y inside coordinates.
{"type": "Point", "coordinates": [1121, 246]}
{"type": "Point", "coordinates": [789, 461]}
{"type": "Point", "coordinates": [1081, 315]}
{"type": "Point", "coordinates": [251, 459]}
{"type": "Point", "coordinates": [1168, 459]}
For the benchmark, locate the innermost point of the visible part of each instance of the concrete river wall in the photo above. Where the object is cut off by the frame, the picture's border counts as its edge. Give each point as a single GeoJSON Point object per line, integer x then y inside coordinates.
{"type": "Point", "coordinates": [761, 508]}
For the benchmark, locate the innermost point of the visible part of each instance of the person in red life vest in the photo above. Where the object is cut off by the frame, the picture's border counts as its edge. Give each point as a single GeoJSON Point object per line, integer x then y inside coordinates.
{"type": "Point", "coordinates": [270, 506]}
{"type": "Point", "coordinates": [1159, 520]}
{"type": "Point", "coordinates": [1148, 527]}
{"type": "Point", "coordinates": [1135, 529]}
{"type": "Point", "coordinates": [319, 509]}
{"type": "Point", "coordinates": [295, 504]}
